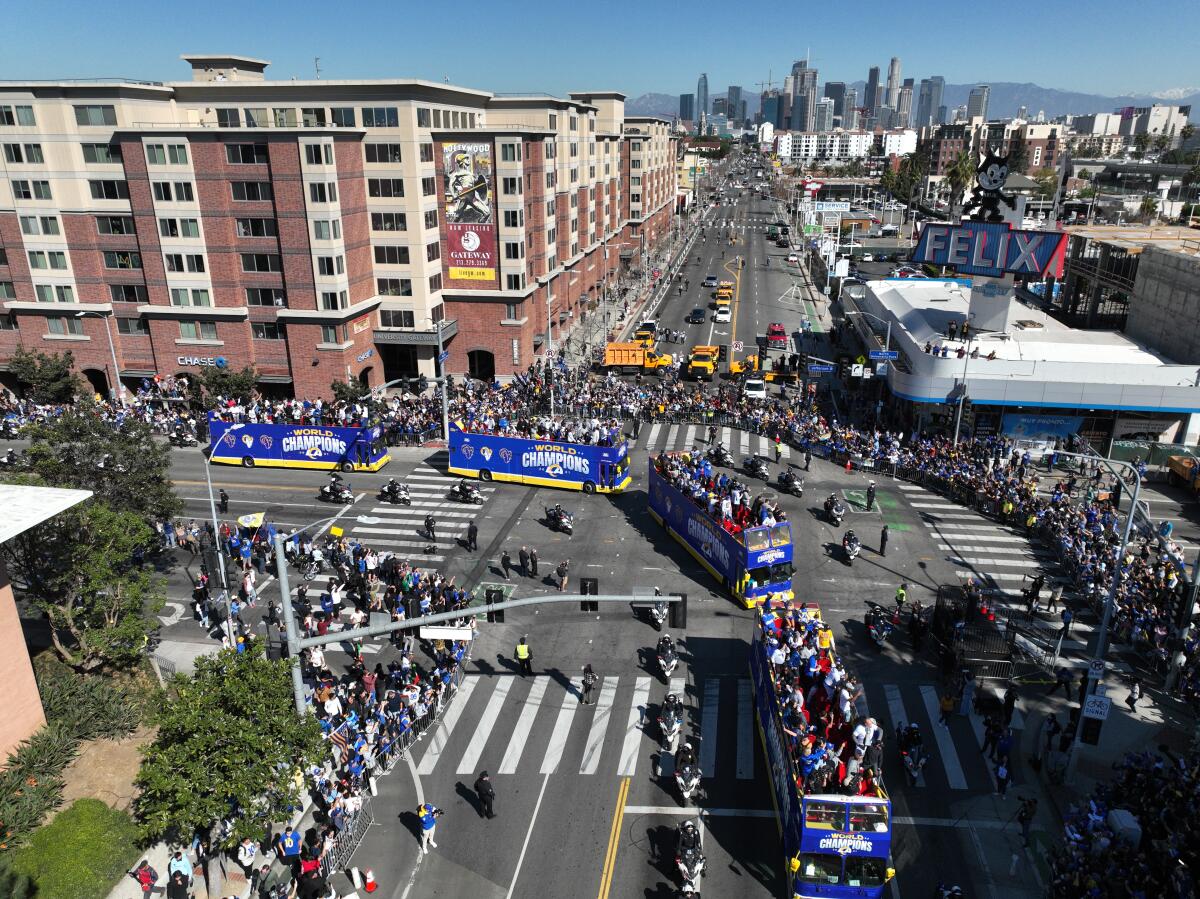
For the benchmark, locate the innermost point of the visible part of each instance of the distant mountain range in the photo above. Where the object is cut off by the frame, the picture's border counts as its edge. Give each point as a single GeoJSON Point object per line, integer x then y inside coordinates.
{"type": "Point", "coordinates": [1006, 98]}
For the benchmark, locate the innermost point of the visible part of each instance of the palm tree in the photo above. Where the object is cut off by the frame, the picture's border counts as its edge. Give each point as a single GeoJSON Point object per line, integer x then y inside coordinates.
{"type": "Point", "coordinates": [960, 174]}
{"type": "Point", "coordinates": [1149, 207]}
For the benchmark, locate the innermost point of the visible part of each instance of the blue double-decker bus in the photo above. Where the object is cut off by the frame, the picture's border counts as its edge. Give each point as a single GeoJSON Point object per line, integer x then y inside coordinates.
{"type": "Point", "coordinates": [296, 446]}
{"type": "Point", "coordinates": [838, 847]}
{"type": "Point", "coordinates": [755, 564]}
{"type": "Point", "coordinates": [542, 463]}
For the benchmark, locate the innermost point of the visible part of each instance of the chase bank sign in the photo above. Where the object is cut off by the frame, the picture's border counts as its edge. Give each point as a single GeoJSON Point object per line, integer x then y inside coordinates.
{"type": "Point", "coordinates": [202, 361]}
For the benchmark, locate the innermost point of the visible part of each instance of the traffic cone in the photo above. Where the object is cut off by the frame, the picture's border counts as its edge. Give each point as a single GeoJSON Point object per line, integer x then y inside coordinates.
{"type": "Point", "coordinates": [370, 886]}
{"type": "Point", "coordinates": [849, 467]}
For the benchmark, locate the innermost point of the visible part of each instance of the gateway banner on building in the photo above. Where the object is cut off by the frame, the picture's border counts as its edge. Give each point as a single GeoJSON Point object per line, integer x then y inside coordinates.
{"type": "Point", "coordinates": [470, 222]}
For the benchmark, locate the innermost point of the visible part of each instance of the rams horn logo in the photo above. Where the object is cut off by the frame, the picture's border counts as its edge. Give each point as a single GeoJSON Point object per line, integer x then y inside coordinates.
{"type": "Point", "coordinates": [248, 441]}
{"type": "Point", "coordinates": [506, 455]}
{"type": "Point", "coordinates": [486, 452]}
{"type": "Point", "coordinates": [266, 440]}
{"type": "Point", "coordinates": [313, 452]}
{"type": "Point", "coordinates": [554, 470]}
{"type": "Point", "coordinates": [468, 452]}
{"type": "Point", "coordinates": [229, 439]}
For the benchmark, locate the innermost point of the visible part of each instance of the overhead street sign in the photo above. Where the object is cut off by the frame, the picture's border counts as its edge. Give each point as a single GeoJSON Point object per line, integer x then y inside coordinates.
{"type": "Point", "coordinates": [885, 354]}
{"type": "Point", "coordinates": [815, 369]}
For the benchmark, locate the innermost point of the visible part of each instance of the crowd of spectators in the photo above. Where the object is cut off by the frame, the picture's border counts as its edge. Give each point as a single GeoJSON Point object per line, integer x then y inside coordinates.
{"type": "Point", "coordinates": [726, 499]}
{"type": "Point", "coordinates": [1154, 854]}
{"type": "Point", "coordinates": [832, 748]}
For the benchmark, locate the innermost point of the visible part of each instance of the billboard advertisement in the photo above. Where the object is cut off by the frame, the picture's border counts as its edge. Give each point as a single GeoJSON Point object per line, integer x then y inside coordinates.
{"type": "Point", "coordinates": [989, 248]}
{"type": "Point", "coordinates": [1040, 428]}
{"type": "Point", "coordinates": [470, 223]}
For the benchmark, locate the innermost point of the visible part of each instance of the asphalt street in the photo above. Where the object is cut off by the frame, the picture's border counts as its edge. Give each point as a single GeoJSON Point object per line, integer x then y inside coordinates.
{"type": "Point", "coordinates": [581, 809]}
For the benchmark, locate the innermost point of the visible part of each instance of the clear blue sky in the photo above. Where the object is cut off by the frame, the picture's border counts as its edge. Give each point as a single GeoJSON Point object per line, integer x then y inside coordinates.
{"type": "Point", "coordinates": [1098, 46]}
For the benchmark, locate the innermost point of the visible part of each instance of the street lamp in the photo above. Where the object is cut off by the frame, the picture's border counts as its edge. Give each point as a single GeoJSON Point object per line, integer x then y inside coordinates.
{"type": "Point", "coordinates": [887, 340]}
{"type": "Point", "coordinates": [962, 394]}
{"type": "Point", "coordinates": [212, 505]}
{"type": "Point", "coordinates": [119, 388]}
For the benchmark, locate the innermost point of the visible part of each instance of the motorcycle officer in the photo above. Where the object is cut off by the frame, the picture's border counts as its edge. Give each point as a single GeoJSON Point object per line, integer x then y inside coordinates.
{"type": "Point", "coordinates": [672, 707]}
{"type": "Point", "coordinates": [689, 837]}
{"type": "Point", "coordinates": [685, 757]}
{"type": "Point", "coordinates": [430, 526]}
{"type": "Point", "coordinates": [666, 646]}
{"type": "Point", "coordinates": [848, 539]}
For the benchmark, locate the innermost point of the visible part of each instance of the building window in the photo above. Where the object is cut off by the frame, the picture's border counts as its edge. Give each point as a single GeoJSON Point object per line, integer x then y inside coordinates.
{"type": "Point", "coordinates": [28, 153]}
{"type": "Point", "coordinates": [551, 150]}
{"type": "Point", "coordinates": [393, 287]}
{"type": "Point", "coordinates": [426, 152]}
{"type": "Point", "coordinates": [428, 186]}
{"type": "Point", "coordinates": [246, 154]}
{"type": "Point", "coordinates": [162, 154]}
{"type": "Point", "coordinates": [41, 190]}
{"type": "Point", "coordinates": [54, 293]}
{"type": "Point", "coordinates": [510, 152]}
{"type": "Point", "coordinates": [284, 118]}
{"type": "Point", "coordinates": [553, 121]}
{"type": "Point", "coordinates": [334, 334]}
{"type": "Point", "coordinates": [325, 266]}
{"type": "Point", "coordinates": [128, 293]}
{"type": "Point", "coordinates": [64, 326]}
{"type": "Point", "coordinates": [423, 118]}
{"type": "Point", "coordinates": [24, 115]}
{"type": "Point", "coordinates": [101, 154]}
{"type": "Point", "coordinates": [266, 296]}
{"type": "Point", "coordinates": [514, 218]}
{"type": "Point", "coordinates": [184, 262]}
{"type": "Point", "coordinates": [380, 117]}
{"type": "Point", "coordinates": [7, 291]}
{"type": "Point", "coordinates": [313, 117]}
{"type": "Point", "coordinates": [257, 227]}
{"type": "Point", "coordinates": [251, 191]}
{"type": "Point", "coordinates": [198, 330]}
{"type": "Point", "coordinates": [435, 282]}
{"type": "Point", "coordinates": [262, 262]}
{"type": "Point", "coordinates": [389, 221]}
{"type": "Point", "coordinates": [385, 187]}
{"type": "Point", "coordinates": [514, 249]}
{"type": "Point", "coordinates": [333, 300]}
{"type": "Point", "coordinates": [388, 255]}
{"type": "Point", "coordinates": [21, 190]}
{"type": "Point", "coordinates": [431, 218]}
{"type": "Point", "coordinates": [95, 115]}
{"type": "Point", "coordinates": [267, 331]}
{"type": "Point", "coordinates": [343, 116]}
{"type": "Point", "coordinates": [256, 117]}
{"type": "Point", "coordinates": [229, 118]}
{"type": "Point", "coordinates": [433, 251]}
{"type": "Point", "coordinates": [318, 154]}
{"type": "Point", "coordinates": [122, 260]}
{"type": "Point", "coordinates": [321, 192]}
{"type": "Point", "coordinates": [109, 190]}
{"type": "Point", "coordinates": [383, 153]}
{"type": "Point", "coordinates": [181, 296]}
{"type": "Point", "coordinates": [511, 186]}
{"type": "Point", "coordinates": [132, 327]}
{"type": "Point", "coordinates": [397, 318]}
{"type": "Point", "coordinates": [325, 229]}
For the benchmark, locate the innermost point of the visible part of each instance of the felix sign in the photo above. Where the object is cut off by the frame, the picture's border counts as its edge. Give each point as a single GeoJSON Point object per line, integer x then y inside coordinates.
{"type": "Point", "coordinates": [988, 248]}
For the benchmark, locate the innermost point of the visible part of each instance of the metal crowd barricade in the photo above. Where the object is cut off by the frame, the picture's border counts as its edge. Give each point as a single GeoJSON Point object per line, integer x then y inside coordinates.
{"type": "Point", "coordinates": [400, 748]}
{"type": "Point", "coordinates": [348, 838]}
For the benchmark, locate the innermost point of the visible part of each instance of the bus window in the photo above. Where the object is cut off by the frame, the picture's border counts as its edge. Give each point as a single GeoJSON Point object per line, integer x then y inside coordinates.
{"type": "Point", "coordinates": [816, 868]}
{"type": "Point", "coordinates": [864, 871]}
{"type": "Point", "coordinates": [758, 539]}
{"type": "Point", "coordinates": [781, 571]}
{"type": "Point", "coordinates": [825, 815]}
{"type": "Point", "coordinates": [781, 534]}
{"type": "Point", "coordinates": [870, 817]}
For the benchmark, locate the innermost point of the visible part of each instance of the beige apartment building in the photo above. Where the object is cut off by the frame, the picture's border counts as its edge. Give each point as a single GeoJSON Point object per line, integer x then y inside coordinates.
{"type": "Point", "coordinates": [317, 230]}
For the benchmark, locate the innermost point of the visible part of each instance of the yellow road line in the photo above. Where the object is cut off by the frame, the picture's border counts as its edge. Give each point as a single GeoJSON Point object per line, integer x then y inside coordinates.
{"type": "Point", "coordinates": [614, 840]}
{"type": "Point", "coordinates": [737, 295]}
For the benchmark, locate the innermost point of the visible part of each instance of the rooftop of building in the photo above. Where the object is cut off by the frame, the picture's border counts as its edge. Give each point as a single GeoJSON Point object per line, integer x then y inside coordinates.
{"type": "Point", "coordinates": [1136, 238]}
{"type": "Point", "coordinates": [26, 507]}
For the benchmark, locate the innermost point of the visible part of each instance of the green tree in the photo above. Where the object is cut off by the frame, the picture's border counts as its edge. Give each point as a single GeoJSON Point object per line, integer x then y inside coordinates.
{"type": "Point", "coordinates": [1161, 142]}
{"type": "Point", "coordinates": [347, 391]}
{"type": "Point", "coordinates": [50, 377]}
{"type": "Point", "coordinates": [1141, 143]}
{"type": "Point", "coordinates": [1047, 180]}
{"type": "Point", "coordinates": [1148, 208]}
{"type": "Point", "coordinates": [213, 382]}
{"type": "Point", "coordinates": [83, 576]}
{"type": "Point", "coordinates": [229, 738]}
{"type": "Point", "coordinates": [125, 468]}
{"type": "Point", "coordinates": [960, 176]}
{"type": "Point", "coordinates": [1186, 132]}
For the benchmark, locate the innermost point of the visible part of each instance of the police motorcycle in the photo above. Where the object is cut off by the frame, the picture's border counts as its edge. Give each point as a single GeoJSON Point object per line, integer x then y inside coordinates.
{"type": "Point", "coordinates": [689, 858]}
{"type": "Point", "coordinates": [912, 751]}
{"type": "Point", "coordinates": [658, 611]}
{"type": "Point", "coordinates": [560, 519]}
{"type": "Point", "coordinates": [183, 438]}
{"type": "Point", "coordinates": [395, 492]}
{"type": "Point", "coordinates": [948, 892]}
{"type": "Point", "coordinates": [668, 658]}
{"type": "Point", "coordinates": [834, 510]}
{"type": "Point", "coordinates": [851, 546]}
{"type": "Point", "coordinates": [466, 492]}
{"type": "Point", "coordinates": [878, 626]}
{"type": "Point", "coordinates": [12, 459]}
{"type": "Point", "coordinates": [336, 491]}
{"type": "Point", "coordinates": [670, 719]}
{"type": "Point", "coordinates": [756, 467]}
{"type": "Point", "coordinates": [312, 564]}
{"type": "Point", "coordinates": [720, 456]}
{"type": "Point", "coordinates": [790, 482]}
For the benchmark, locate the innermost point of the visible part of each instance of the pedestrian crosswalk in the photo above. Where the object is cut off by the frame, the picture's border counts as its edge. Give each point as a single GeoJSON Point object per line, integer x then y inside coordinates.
{"type": "Point", "coordinates": [401, 529]}
{"type": "Point", "coordinates": [661, 436]}
{"type": "Point", "coordinates": [1002, 559]}
{"type": "Point", "coordinates": [512, 725]}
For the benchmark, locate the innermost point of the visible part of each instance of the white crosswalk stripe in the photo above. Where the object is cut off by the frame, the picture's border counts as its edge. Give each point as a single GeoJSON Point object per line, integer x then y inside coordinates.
{"type": "Point", "coordinates": [709, 722]}
{"type": "Point", "coordinates": [948, 754]}
{"type": "Point", "coordinates": [745, 443]}
{"type": "Point", "coordinates": [558, 738]}
{"type": "Point", "coordinates": [604, 705]}
{"type": "Point", "coordinates": [520, 734]}
{"type": "Point", "coordinates": [672, 434]}
{"type": "Point", "coordinates": [441, 734]}
{"type": "Point", "coordinates": [690, 439]}
{"type": "Point", "coordinates": [483, 730]}
{"type": "Point", "coordinates": [633, 728]}
{"type": "Point", "coordinates": [652, 437]}
{"type": "Point", "coordinates": [1023, 551]}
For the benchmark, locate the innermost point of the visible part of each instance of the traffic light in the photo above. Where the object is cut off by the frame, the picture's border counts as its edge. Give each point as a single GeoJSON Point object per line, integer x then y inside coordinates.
{"type": "Point", "coordinates": [494, 616]}
{"type": "Point", "coordinates": [722, 352]}
{"type": "Point", "coordinates": [677, 614]}
{"type": "Point", "coordinates": [589, 586]}
{"type": "Point", "coordinates": [422, 384]}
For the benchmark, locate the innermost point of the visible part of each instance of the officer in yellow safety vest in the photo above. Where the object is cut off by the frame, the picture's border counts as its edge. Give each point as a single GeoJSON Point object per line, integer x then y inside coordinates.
{"type": "Point", "coordinates": [901, 596]}
{"type": "Point", "coordinates": [524, 655]}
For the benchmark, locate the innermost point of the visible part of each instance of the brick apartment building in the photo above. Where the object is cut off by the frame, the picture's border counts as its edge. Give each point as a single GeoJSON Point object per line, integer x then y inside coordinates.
{"type": "Point", "coordinates": [316, 230]}
{"type": "Point", "coordinates": [1040, 143]}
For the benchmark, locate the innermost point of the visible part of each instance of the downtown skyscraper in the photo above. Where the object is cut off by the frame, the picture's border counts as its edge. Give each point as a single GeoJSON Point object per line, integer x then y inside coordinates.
{"type": "Point", "coordinates": [702, 108]}
{"type": "Point", "coordinates": [871, 99]}
{"type": "Point", "coordinates": [893, 83]}
{"type": "Point", "coordinates": [929, 101]}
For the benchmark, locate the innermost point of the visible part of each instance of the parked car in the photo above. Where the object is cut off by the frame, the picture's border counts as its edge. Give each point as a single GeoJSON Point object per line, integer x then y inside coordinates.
{"type": "Point", "coordinates": [696, 316]}
{"type": "Point", "coordinates": [867, 257]}
{"type": "Point", "coordinates": [793, 259]}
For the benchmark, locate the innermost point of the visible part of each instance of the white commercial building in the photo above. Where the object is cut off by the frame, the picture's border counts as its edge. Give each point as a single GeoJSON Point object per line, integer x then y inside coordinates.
{"type": "Point", "coordinates": [826, 146]}
{"type": "Point", "coordinates": [899, 143]}
{"type": "Point", "coordinates": [1034, 376]}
